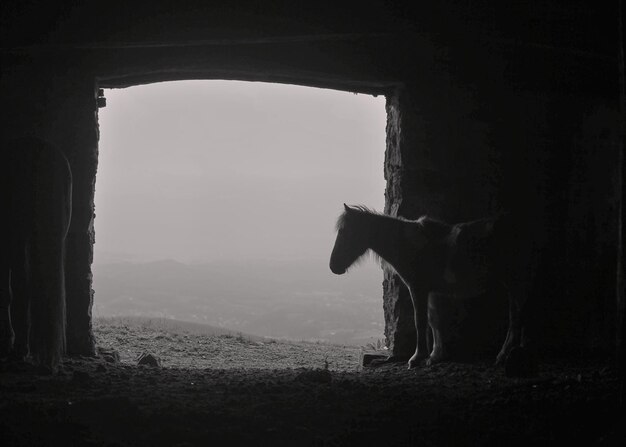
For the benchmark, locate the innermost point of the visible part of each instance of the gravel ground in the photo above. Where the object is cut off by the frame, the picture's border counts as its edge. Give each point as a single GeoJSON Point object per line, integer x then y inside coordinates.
{"type": "Point", "coordinates": [186, 349]}
{"type": "Point", "coordinates": [235, 390]}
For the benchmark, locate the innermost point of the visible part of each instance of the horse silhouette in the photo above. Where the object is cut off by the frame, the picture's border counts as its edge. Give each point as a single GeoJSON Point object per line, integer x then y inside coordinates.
{"type": "Point", "coordinates": [37, 202]}
{"type": "Point", "coordinates": [436, 260]}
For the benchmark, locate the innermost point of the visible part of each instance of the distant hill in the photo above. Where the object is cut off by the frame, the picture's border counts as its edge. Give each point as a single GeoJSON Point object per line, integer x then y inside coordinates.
{"type": "Point", "coordinates": [173, 326]}
{"type": "Point", "coordinates": [296, 299]}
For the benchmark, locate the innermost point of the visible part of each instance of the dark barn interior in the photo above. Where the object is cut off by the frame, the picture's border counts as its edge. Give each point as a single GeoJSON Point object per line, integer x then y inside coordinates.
{"type": "Point", "coordinates": [491, 106]}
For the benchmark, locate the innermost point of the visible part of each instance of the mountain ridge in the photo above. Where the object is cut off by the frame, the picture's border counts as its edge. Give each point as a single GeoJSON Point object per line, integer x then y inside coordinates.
{"type": "Point", "coordinates": [290, 299]}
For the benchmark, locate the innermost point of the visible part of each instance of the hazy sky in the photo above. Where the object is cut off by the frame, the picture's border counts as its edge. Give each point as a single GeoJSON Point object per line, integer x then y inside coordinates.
{"type": "Point", "coordinates": [207, 170]}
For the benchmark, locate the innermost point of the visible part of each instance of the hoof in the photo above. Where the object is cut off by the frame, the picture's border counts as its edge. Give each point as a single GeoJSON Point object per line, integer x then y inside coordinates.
{"type": "Point", "coordinates": [434, 359]}
{"type": "Point", "coordinates": [415, 361]}
{"type": "Point", "coordinates": [500, 359]}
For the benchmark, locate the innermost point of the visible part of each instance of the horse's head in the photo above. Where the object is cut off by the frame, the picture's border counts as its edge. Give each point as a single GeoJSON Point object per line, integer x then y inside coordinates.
{"type": "Point", "coordinates": [351, 242]}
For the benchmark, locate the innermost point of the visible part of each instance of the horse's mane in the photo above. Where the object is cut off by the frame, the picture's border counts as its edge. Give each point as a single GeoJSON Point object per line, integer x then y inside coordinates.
{"type": "Point", "coordinates": [433, 228]}
{"type": "Point", "coordinates": [341, 220]}
{"type": "Point", "coordinates": [364, 209]}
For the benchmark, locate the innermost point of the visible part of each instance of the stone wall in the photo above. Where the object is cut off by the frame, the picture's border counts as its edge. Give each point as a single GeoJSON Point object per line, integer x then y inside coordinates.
{"type": "Point", "coordinates": [56, 100]}
{"type": "Point", "coordinates": [545, 149]}
{"type": "Point", "coordinates": [485, 113]}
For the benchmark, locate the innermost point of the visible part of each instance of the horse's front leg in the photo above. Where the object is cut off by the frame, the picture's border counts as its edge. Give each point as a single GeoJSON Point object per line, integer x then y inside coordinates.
{"type": "Point", "coordinates": [420, 305]}
{"type": "Point", "coordinates": [438, 319]}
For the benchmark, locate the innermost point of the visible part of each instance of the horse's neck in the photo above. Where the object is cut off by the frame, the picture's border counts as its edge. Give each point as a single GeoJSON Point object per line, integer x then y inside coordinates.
{"type": "Point", "coordinates": [387, 239]}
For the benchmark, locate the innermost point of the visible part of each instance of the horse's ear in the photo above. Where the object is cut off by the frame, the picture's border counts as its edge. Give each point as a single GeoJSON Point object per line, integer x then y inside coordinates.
{"type": "Point", "coordinates": [346, 207]}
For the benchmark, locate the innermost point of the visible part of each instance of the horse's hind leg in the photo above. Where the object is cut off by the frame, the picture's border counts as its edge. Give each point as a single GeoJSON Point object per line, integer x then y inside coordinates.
{"type": "Point", "coordinates": [514, 333]}
{"type": "Point", "coordinates": [438, 319]}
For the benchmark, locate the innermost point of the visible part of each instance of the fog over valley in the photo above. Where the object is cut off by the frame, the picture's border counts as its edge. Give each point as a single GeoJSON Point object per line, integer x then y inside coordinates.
{"type": "Point", "coordinates": [296, 299]}
{"type": "Point", "coordinates": [216, 203]}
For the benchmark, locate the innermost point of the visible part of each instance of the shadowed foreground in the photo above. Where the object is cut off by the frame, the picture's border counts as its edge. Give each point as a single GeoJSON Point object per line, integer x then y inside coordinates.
{"type": "Point", "coordinates": [232, 390]}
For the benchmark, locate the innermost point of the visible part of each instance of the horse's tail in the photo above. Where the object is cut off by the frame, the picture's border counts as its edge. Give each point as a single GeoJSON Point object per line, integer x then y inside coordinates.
{"type": "Point", "coordinates": [52, 203]}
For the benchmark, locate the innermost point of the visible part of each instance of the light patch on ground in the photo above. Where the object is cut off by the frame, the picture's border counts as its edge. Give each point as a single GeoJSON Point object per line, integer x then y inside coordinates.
{"type": "Point", "coordinates": [190, 346]}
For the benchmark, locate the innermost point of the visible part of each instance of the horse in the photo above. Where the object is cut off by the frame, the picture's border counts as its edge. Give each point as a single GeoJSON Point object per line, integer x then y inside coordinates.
{"type": "Point", "coordinates": [435, 259]}
{"type": "Point", "coordinates": [37, 202]}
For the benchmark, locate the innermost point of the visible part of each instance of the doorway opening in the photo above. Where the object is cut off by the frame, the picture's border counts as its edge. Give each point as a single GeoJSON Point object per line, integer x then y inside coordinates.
{"type": "Point", "coordinates": [216, 203]}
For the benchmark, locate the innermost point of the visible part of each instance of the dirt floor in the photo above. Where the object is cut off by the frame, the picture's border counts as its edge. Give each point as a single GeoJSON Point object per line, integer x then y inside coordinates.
{"type": "Point", "coordinates": [234, 390]}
